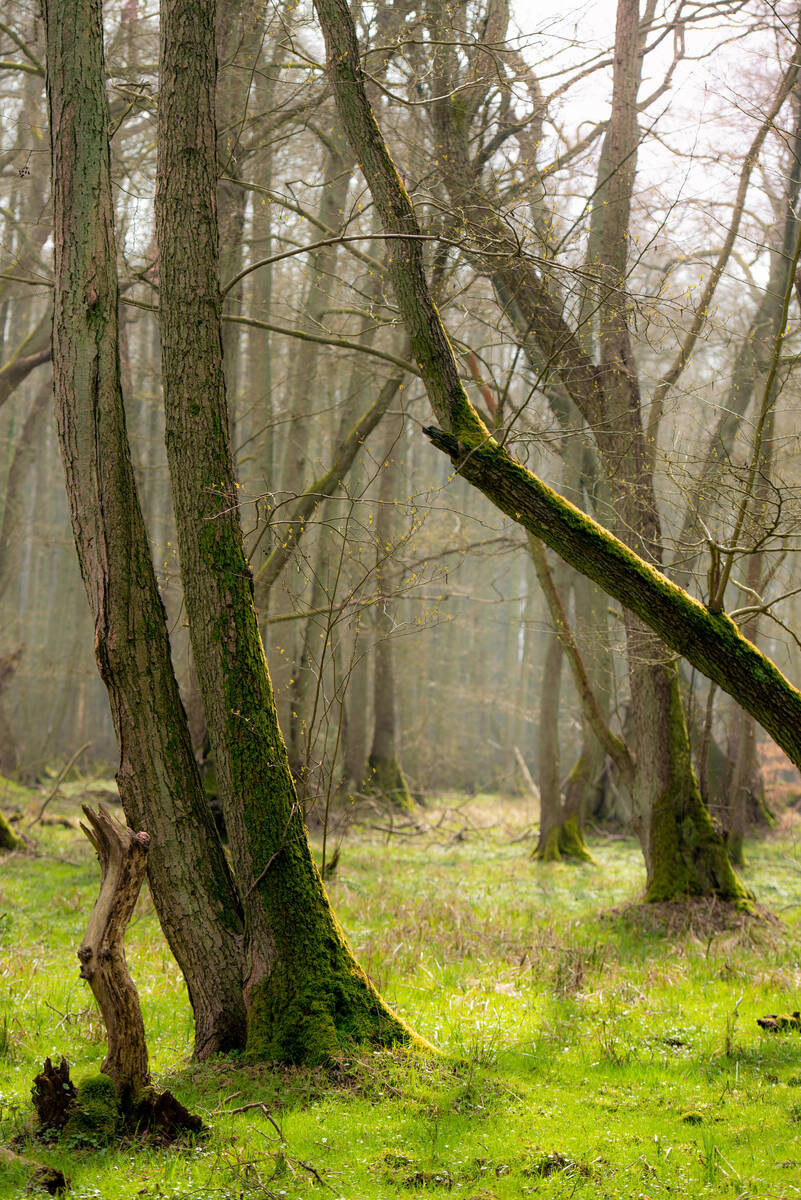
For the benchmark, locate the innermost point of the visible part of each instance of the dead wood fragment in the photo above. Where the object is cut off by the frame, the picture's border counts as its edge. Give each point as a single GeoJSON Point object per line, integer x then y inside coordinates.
{"type": "Point", "coordinates": [140, 1108]}
{"type": "Point", "coordinates": [161, 1116]}
{"type": "Point", "coordinates": [779, 1023]}
{"type": "Point", "coordinates": [123, 861]}
{"type": "Point", "coordinates": [49, 1178]}
{"type": "Point", "coordinates": [53, 1095]}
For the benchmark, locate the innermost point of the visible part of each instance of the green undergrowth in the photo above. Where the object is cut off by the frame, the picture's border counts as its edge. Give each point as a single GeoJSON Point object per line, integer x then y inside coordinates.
{"type": "Point", "coordinates": [588, 1047]}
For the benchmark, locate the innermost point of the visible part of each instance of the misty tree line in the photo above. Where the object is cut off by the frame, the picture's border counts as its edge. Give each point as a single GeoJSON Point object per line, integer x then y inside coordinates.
{"type": "Point", "coordinates": [628, 336]}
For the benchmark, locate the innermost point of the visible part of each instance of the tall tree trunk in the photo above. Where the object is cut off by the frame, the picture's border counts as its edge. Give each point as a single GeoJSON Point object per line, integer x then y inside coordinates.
{"type": "Point", "coordinates": [307, 998]}
{"type": "Point", "coordinates": [158, 780]}
{"type": "Point", "coordinates": [548, 767]}
{"type": "Point", "coordinates": [385, 777]}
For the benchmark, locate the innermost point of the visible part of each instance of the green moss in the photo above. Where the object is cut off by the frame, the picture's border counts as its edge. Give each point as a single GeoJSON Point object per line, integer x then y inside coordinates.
{"type": "Point", "coordinates": [96, 1118]}
{"type": "Point", "coordinates": [334, 1010]}
{"type": "Point", "coordinates": [548, 850]}
{"type": "Point", "coordinates": [563, 841]}
{"type": "Point", "coordinates": [571, 841]}
{"type": "Point", "coordinates": [8, 838]}
{"type": "Point", "coordinates": [385, 779]}
{"type": "Point", "coordinates": [710, 641]}
{"type": "Point", "coordinates": [686, 854]}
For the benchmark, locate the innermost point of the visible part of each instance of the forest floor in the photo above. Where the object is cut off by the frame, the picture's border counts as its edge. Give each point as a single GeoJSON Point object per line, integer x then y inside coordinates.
{"type": "Point", "coordinates": [588, 1047]}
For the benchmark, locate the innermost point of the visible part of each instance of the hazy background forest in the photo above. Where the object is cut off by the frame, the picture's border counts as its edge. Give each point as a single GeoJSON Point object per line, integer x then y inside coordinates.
{"type": "Point", "coordinates": [606, 214]}
{"type": "Point", "coordinates": [406, 587]}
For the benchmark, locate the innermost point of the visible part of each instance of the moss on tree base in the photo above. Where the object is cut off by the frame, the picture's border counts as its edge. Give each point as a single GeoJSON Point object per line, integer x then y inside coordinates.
{"type": "Point", "coordinates": [95, 1117]}
{"type": "Point", "coordinates": [313, 1019]}
{"type": "Point", "coordinates": [688, 856]}
{"type": "Point", "coordinates": [96, 1114]}
{"type": "Point", "coordinates": [386, 781]}
{"type": "Point", "coordinates": [564, 841]}
{"type": "Point", "coordinates": [8, 838]}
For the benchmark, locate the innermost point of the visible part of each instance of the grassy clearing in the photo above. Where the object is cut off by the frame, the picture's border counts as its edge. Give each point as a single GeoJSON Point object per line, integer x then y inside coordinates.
{"type": "Point", "coordinates": [583, 1053]}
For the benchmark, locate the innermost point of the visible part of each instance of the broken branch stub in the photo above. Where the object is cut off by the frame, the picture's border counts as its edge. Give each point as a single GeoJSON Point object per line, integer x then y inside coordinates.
{"type": "Point", "coordinates": [123, 861]}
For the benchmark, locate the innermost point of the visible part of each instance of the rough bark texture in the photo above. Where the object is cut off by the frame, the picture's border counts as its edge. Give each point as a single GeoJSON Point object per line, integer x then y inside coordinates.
{"type": "Point", "coordinates": [684, 853]}
{"type": "Point", "coordinates": [548, 772]}
{"type": "Point", "coordinates": [122, 855]}
{"type": "Point", "coordinates": [158, 779]}
{"type": "Point", "coordinates": [53, 1094]}
{"type": "Point", "coordinates": [385, 777]}
{"type": "Point", "coordinates": [306, 995]}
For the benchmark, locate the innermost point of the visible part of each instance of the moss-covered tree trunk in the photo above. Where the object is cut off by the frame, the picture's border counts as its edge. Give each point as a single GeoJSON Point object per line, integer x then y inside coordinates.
{"type": "Point", "coordinates": [568, 838]}
{"type": "Point", "coordinates": [307, 998]}
{"type": "Point", "coordinates": [158, 779]}
{"type": "Point", "coordinates": [8, 838]}
{"type": "Point", "coordinates": [684, 853]}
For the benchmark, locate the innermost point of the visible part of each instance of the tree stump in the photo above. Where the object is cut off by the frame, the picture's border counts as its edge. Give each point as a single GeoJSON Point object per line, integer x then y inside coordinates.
{"type": "Point", "coordinates": [53, 1095]}
{"type": "Point", "coordinates": [120, 1099]}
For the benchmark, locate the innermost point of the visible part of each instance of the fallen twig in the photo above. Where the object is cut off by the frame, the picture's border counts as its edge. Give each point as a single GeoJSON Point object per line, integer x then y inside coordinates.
{"type": "Point", "coordinates": [54, 790]}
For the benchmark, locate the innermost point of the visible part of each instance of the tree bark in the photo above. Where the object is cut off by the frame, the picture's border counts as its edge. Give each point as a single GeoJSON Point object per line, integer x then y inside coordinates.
{"type": "Point", "coordinates": [158, 780]}
{"type": "Point", "coordinates": [307, 997]}
{"type": "Point", "coordinates": [548, 771]}
{"type": "Point", "coordinates": [385, 777]}
{"type": "Point", "coordinates": [122, 855]}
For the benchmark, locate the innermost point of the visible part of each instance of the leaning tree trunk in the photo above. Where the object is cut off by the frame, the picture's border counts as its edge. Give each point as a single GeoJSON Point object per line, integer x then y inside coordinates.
{"type": "Point", "coordinates": [158, 779]}
{"type": "Point", "coordinates": [307, 997]}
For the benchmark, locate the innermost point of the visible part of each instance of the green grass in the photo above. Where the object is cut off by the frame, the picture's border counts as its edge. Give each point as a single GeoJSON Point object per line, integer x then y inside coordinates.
{"type": "Point", "coordinates": [584, 1051]}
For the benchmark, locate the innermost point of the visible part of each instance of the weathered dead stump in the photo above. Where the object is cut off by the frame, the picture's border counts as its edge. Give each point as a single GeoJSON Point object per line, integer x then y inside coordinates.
{"type": "Point", "coordinates": [53, 1096]}
{"type": "Point", "coordinates": [123, 863]}
{"type": "Point", "coordinates": [121, 1099]}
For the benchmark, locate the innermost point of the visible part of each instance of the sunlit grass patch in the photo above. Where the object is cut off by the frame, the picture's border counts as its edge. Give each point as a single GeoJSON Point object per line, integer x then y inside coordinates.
{"type": "Point", "coordinates": [586, 1049]}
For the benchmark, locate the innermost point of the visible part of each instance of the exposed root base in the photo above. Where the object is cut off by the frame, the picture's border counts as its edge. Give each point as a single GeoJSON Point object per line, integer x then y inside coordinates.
{"type": "Point", "coordinates": [385, 780]}
{"type": "Point", "coordinates": [695, 916]}
{"type": "Point", "coordinates": [564, 842]}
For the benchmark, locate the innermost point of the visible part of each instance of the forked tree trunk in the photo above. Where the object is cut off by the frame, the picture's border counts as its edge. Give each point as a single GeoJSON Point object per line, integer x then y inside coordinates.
{"type": "Point", "coordinates": [158, 778]}
{"type": "Point", "coordinates": [307, 997]}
